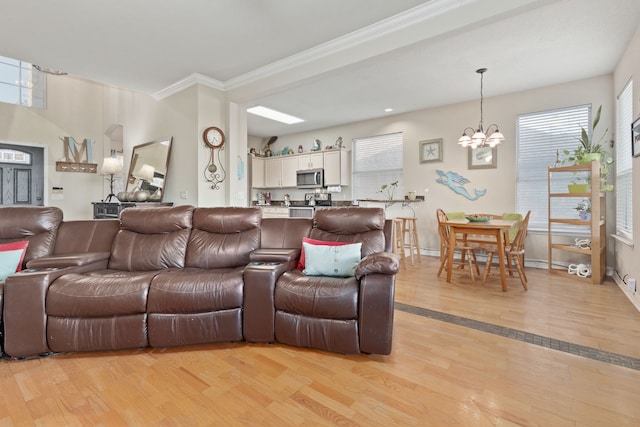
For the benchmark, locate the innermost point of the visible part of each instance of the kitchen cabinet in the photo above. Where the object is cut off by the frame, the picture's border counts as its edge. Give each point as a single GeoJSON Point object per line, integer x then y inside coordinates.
{"type": "Point", "coordinates": [257, 172]}
{"type": "Point", "coordinates": [595, 226]}
{"type": "Point", "coordinates": [289, 168]}
{"type": "Point", "coordinates": [311, 161]}
{"type": "Point", "coordinates": [280, 172]}
{"type": "Point", "coordinates": [337, 167]}
{"type": "Point", "coordinates": [273, 173]}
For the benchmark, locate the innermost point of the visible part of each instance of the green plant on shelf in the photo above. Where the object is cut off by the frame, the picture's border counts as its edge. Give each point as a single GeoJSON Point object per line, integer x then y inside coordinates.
{"type": "Point", "coordinates": [388, 190]}
{"type": "Point", "coordinates": [589, 151]}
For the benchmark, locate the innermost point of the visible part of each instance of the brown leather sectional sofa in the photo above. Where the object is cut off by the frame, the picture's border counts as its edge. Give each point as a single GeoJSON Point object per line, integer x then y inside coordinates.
{"type": "Point", "coordinates": [165, 277]}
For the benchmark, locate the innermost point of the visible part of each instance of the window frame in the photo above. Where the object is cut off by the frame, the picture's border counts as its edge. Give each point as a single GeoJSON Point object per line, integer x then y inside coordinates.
{"type": "Point", "coordinates": [28, 83]}
{"type": "Point", "coordinates": [551, 132]}
{"type": "Point", "coordinates": [624, 163]}
{"type": "Point", "coordinates": [374, 166]}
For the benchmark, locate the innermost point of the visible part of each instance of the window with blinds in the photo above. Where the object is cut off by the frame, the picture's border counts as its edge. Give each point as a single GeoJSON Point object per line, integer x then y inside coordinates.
{"type": "Point", "coordinates": [624, 201]}
{"type": "Point", "coordinates": [377, 160]}
{"type": "Point", "coordinates": [541, 139]}
{"type": "Point", "coordinates": [21, 84]}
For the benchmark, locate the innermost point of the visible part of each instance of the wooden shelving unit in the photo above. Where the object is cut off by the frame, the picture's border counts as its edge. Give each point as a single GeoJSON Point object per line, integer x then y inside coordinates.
{"type": "Point", "coordinates": [595, 226]}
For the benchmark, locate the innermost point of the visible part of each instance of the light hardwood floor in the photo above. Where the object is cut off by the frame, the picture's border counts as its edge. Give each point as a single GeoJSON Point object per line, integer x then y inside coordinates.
{"type": "Point", "coordinates": [439, 374]}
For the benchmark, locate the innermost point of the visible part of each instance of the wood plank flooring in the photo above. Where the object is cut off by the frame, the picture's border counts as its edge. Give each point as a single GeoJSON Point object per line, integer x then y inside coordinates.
{"type": "Point", "coordinates": [439, 374]}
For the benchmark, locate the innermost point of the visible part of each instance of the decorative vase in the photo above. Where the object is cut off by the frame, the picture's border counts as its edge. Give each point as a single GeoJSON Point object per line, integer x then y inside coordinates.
{"type": "Point", "coordinates": [584, 216]}
{"type": "Point", "coordinates": [589, 157]}
{"type": "Point", "coordinates": [141, 195]}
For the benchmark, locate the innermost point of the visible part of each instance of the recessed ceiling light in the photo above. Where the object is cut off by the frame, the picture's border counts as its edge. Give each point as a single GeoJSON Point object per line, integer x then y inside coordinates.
{"type": "Point", "coordinates": [273, 115]}
{"type": "Point", "coordinates": [388, 110]}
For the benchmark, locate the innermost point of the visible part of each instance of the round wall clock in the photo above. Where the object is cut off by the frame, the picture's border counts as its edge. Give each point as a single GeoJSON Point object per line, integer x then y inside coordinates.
{"type": "Point", "coordinates": [213, 137]}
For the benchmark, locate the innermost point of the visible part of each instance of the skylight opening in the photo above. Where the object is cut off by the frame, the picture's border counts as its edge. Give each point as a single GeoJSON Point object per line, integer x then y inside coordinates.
{"type": "Point", "coordinates": [268, 113]}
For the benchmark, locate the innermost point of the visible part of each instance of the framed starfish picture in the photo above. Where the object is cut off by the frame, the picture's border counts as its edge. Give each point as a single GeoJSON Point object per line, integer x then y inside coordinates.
{"type": "Point", "coordinates": [431, 150]}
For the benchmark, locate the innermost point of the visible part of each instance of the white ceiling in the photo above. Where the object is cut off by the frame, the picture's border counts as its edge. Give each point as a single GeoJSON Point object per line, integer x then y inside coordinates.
{"type": "Point", "coordinates": [327, 61]}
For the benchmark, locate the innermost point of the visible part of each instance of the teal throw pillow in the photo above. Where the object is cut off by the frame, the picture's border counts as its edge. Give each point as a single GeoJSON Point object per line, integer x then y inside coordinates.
{"type": "Point", "coordinates": [338, 261]}
{"type": "Point", "coordinates": [9, 262]}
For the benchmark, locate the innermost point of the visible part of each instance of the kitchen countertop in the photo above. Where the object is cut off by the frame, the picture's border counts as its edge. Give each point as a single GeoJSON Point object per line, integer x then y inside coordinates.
{"type": "Point", "coordinates": [302, 203]}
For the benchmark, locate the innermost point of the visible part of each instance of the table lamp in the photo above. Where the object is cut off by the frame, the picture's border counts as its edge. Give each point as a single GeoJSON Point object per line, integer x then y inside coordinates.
{"type": "Point", "coordinates": [111, 166]}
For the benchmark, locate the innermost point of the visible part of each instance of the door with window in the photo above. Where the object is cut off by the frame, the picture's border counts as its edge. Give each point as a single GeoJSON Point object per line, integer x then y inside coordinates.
{"type": "Point", "coordinates": [21, 175]}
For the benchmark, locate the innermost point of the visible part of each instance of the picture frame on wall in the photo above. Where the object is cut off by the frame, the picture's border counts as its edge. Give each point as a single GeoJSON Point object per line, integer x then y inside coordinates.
{"type": "Point", "coordinates": [431, 150]}
{"type": "Point", "coordinates": [483, 158]}
{"type": "Point", "coordinates": [635, 138]}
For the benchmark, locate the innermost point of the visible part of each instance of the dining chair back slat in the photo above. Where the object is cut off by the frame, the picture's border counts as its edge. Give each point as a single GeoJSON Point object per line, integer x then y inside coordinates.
{"type": "Point", "coordinates": [466, 251]}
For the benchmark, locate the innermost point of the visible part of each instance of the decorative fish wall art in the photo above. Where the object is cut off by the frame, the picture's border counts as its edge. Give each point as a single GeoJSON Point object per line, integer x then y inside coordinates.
{"type": "Point", "coordinates": [456, 183]}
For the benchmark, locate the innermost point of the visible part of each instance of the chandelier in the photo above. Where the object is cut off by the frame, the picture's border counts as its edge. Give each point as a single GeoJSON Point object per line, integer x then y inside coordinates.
{"type": "Point", "coordinates": [478, 138]}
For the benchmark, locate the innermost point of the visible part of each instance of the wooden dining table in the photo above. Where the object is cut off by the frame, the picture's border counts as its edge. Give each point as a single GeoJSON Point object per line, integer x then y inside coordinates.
{"type": "Point", "coordinates": [494, 227]}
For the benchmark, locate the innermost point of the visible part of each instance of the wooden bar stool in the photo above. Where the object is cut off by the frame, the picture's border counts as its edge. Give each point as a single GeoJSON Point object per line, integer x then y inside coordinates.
{"type": "Point", "coordinates": [398, 242]}
{"type": "Point", "coordinates": [410, 236]}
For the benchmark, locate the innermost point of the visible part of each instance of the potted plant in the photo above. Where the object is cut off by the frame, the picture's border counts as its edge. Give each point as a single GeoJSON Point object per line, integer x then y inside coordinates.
{"type": "Point", "coordinates": [388, 190]}
{"type": "Point", "coordinates": [589, 151]}
{"type": "Point", "coordinates": [584, 209]}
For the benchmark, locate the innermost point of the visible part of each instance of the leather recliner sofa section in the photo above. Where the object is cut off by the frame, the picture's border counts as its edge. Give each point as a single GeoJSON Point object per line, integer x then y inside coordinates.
{"type": "Point", "coordinates": [35, 224]}
{"type": "Point", "coordinates": [165, 277]}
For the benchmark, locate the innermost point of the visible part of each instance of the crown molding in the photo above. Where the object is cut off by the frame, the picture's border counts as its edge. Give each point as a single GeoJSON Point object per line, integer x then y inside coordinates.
{"type": "Point", "coordinates": [187, 82]}
{"type": "Point", "coordinates": [382, 28]}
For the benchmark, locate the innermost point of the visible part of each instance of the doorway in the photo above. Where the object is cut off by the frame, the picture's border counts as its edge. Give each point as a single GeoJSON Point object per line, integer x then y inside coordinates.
{"type": "Point", "coordinates": [21, 175]}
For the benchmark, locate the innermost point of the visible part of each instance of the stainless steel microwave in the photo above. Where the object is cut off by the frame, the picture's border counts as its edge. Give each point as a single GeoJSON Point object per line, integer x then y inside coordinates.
{"type": "Point", "coordinates": [310, 178]}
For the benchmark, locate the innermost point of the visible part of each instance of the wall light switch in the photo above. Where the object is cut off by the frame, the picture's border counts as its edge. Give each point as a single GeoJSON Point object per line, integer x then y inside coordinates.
{"type": "Point", "coordinates": [57, 193]}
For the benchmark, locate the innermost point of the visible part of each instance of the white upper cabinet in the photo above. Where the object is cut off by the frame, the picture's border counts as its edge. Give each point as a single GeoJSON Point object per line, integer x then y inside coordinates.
{"type": "Point", "coordinates": [337, 167]}
{"type": "Point", "coordinates": [280, 171]}
{"type": "Point", "coordinates": [311, 161]}
{"type": "Point", "coordinates": [257, 172]}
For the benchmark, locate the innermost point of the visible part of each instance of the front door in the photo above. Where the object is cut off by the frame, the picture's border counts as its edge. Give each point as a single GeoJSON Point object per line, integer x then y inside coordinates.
{"type": "Point", "coordinates": [21, 175]}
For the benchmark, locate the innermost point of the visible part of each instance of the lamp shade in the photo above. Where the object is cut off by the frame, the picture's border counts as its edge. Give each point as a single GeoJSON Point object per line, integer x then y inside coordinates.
{"type": "Point", "coordinates": [111, 165]}
{"type": "Point", "coordinates": [146, 172]}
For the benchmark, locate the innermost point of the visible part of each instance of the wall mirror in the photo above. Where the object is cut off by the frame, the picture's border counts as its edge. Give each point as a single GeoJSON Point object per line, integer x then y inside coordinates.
{"type": "Point", "coordinates": [148, 171]}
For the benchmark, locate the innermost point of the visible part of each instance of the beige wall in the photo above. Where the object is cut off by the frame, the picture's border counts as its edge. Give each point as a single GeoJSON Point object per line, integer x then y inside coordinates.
{"type": "Point", "coordinates": [447, 123]}
{"type": "Point", "coordinates": [75, 108]}
{"type": "Point", "coordinates": [84, 109]}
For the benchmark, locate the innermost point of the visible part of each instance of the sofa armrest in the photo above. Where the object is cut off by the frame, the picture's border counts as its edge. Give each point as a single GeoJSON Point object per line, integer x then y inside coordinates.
{"type": "Point", "coordinates": [25, 316]}
{"type": "Point", "coordinates": [275, 255]}
{"type": "Point", "coordinates": [67, 260]}
{"type": "Point", "coordinates": [259, 306]}
{"type": "Point", "coordinates": [383, 263]}
{"type": "Point", "coordinates": [375, 313]}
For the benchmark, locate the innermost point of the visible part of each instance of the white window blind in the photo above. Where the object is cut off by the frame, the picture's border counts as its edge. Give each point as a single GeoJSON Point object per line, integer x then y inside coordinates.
{"type": "Point", "coordinates": [540, 138]}
{"type": "Point", "coordinates": [21, 84]}
{"type": "Point", "coordinates": [623, 185]}
{"type": "Point", "coordinates": [377, 160]}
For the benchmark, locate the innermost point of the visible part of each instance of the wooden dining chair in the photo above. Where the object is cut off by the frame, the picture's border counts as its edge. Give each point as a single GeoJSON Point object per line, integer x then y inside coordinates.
{"type": "Point", "coordinates": [466, 251]}
{"type": "Point", "coordinates": [514, 253]}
